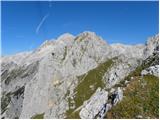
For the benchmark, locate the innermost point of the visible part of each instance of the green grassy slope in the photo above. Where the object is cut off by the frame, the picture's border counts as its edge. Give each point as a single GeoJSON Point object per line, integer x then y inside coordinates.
{"type": "Point", "coordinates": [141, 98]}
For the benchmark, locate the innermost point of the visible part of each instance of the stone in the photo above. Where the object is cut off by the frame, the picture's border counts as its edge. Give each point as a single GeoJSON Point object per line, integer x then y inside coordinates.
{"type": "Point", "coordinates": [126, 81]}
{"type": "Point", "coordinates": [139, 116]}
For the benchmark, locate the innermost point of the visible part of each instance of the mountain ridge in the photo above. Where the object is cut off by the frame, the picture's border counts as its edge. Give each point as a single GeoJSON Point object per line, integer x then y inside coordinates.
{"type": "Point", "coordinates": [51, 76]}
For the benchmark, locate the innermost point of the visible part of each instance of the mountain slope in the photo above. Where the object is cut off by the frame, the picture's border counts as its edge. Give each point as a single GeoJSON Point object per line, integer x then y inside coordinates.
{"type": "Point", "coordinates": [141, 94]}
{"type": "Point", "coordinates": [65, 76]}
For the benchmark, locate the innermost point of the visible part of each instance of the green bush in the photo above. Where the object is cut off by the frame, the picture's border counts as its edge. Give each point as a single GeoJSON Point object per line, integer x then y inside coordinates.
{"type": "Point", "coordinates": [38, 116]}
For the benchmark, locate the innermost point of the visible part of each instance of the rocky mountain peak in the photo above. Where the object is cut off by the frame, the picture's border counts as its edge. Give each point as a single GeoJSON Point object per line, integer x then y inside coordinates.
{"type": "Point", "coordinates": [152, 46]}
{"type": "Point", "coordinates": [65, 36]}
{"type": "Point", "coordinates": [47, 43]}
{"type": "Point", "coordinates": [88, 35]}
{"type": "Point", "coordinates": [153, 40]}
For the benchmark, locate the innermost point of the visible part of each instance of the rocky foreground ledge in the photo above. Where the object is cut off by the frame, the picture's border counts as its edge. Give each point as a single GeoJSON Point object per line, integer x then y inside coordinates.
{"type": "Point", "coordinates": [81, 77]}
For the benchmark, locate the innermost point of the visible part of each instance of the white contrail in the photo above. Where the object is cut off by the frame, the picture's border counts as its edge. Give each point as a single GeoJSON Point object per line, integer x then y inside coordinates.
{"type": "Point", "coordinates": [41, 23]}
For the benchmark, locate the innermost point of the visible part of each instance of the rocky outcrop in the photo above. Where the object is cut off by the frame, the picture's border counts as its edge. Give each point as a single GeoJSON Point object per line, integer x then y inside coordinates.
{"type": "Point", "coordinates": [93, 106]}
{"type": "Point", "coordinates": [116, 96]}
{"type": "Point", "coordinates": [121, 68]}
{"type": "Point", "coordinates": [98, 105]}
{"type": "Point", "coordinates": [152, 46]}
{"type": "Point", "coordinates": [153, 70]}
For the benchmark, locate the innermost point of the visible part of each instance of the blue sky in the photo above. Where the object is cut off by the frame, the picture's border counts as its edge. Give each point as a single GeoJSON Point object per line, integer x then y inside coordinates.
{"type": "Point", "coordinates": [26, 25]}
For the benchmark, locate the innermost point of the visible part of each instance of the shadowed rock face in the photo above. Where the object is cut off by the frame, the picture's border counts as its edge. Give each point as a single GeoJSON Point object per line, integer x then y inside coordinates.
{"type": "Point", "coordinates": [63, 76]}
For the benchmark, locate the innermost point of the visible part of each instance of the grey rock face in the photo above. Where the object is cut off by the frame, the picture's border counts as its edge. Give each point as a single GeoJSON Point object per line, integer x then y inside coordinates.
{"type": "Point", "coordinates": [152, 46]}
{"type": "Point", "coordinates": [38, 81]}
{"type": "Point", "coordinates": [98, 105]}
{"type": "Point", "coordinates": [153, 70]}
{"type": "Point", "coordinates": [13, 86]}
{"type": "Point", "coordinates": [70, 58]}
{"type": "Point", "coordinates": [94, 105]}
{"type": "Point", "coordinates": [119, 71]}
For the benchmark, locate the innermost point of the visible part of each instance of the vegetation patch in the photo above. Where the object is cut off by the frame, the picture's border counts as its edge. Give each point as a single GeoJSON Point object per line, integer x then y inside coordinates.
{"type": "Point", "coordinates": [88, 84]}
{"type": "Point", "coordinates": [13, 74]}
{"type": "Point", "coordinates": [65, 53]}
{"type": "Point", "coordinates": [141, 97]}
{"type": "Point", "coordinates": [4, 75]}
{"type": "Point", "coordinates": [38, 116]}
{"type": "Point", "coordinates": [5, 100]}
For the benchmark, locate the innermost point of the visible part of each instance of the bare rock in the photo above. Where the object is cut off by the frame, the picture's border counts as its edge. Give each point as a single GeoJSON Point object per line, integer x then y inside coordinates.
{"type": "Point", "coordinates": [152, 70]}
{"type": "Point", "coordinates": [93, 106]}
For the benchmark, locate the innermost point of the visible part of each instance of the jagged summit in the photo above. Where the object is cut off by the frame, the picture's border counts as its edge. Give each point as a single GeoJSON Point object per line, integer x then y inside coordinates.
{"type": "Point", "coordinates": [46, 43]}
{"type": "Point", "coordinates": [87, 35]}
{"type": "Point", "coordinates": [65, 36]}
{"type": "Point", "coordinates": [67, 39]}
